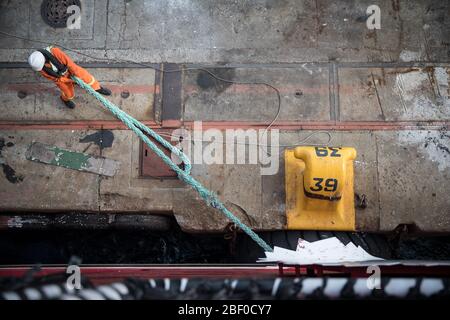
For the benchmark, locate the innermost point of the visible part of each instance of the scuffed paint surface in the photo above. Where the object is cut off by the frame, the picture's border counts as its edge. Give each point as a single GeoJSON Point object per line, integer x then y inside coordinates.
{"type": "Point", "coordinates": [424, 92]}
{"type": "Point", "coordinates": [54, 155]}
{"type": "Point", "coordinates": [442, 81]}
{"type": "Point", "coordinates": [408, 56]}
{"type": "Point", "coordinates": [433, 145]}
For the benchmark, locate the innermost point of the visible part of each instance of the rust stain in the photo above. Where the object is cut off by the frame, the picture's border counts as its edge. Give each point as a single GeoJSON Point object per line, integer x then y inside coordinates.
{"type": "Point", "coordinates": [40, 88]}
{"type": "Point", "coordinates": [282, 125]}
{"type": "Point", "coordinates": [372, 34]}
{"type": "Point", "coordinates": [448, 87]}
{"type": "Point", "coordinates": [406, 70]}
{"type": "Point", "coordinates": [152, 166]}
{"type": "Point", "coordinates": [396, 5]}
{"type": "Point", "coordinates": [70, 125]}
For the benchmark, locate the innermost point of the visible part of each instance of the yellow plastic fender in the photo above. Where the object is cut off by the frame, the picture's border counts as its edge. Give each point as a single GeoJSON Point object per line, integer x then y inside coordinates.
{"type": "Point", "coordinates": [319, 188]}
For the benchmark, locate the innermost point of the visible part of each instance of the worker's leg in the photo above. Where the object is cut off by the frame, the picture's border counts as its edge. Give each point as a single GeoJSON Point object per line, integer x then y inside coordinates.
{"type": "Point", "coordinates": [84, 75]}
{"type": "Point", "coordinates": [67, 93]}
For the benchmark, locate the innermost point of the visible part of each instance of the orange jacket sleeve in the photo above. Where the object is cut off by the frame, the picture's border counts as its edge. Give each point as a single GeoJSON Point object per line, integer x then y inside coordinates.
{"type": "Point", "coordinates": [74, 69]}
{"type": "Point", "coordinates": [65, 59]}
{"type": "Point", "coordinates": [44, 74]}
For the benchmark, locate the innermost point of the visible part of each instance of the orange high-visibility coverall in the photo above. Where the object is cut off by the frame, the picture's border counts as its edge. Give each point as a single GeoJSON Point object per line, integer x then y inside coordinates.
{"type": "Point", "coordinates": [65, 83]}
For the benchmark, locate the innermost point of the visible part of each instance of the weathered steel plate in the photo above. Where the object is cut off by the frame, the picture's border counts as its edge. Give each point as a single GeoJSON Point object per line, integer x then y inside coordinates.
{"type": "Point", "coordinates": [151, 165]}
{"type": "Point", "coordinates": [56, 156]}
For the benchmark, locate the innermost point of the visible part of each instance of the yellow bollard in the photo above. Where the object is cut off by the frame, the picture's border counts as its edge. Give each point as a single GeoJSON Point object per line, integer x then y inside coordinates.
{"type": "Point", "coordinates": [319, 188]}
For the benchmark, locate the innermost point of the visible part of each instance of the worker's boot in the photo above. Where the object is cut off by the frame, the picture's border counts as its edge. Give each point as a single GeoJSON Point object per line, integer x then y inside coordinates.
{"type": "Point", "coordinates": [104, 91]}
{"type": "Point", "coordinates": [69, 104]}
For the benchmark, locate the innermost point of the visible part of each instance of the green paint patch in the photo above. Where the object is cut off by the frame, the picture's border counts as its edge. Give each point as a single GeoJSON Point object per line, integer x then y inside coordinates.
{"type": "Point", "coordinates": [70, 159]}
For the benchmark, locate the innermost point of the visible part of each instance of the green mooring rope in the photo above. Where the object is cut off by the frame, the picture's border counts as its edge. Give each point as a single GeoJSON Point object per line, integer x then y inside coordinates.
{"type": "Point", "coordinates": [185, 175]}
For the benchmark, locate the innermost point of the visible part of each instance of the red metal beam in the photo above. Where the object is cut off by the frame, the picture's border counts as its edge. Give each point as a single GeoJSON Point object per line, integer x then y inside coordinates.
{"type": "Point", "coordinates": [281, 125]}
{"type": "Point", "coordinates": [71, 125]}
{"type": "Point", "coordinates": [108, 274]}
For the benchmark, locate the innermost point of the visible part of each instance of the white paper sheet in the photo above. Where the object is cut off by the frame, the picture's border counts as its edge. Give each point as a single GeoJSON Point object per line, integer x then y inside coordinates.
{"type": "Point", "coordinates": [326, 251]}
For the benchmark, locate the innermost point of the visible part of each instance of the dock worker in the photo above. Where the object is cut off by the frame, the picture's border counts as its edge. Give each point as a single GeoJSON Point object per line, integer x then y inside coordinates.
{"type": "Point", "coordinates": [57, 66]}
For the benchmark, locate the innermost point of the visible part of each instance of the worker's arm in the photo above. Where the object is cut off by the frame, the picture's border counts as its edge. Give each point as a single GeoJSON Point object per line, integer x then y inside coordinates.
{"type": "Point", "coordinates": [66, 60]}
{"type": "Point", "coordinates": [45, 75]}
{"type": "Point", "coordinates": [75, 69]}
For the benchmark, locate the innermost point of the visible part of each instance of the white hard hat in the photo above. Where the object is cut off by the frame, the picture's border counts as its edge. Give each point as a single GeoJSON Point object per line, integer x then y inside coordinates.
{"type": "Point", "coordinates": [36, 61]}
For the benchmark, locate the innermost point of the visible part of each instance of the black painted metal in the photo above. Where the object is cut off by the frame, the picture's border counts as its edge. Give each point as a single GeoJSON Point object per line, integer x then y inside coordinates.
{"type": "Point", "coordinates": [71, 220]}
{"type": "Point", "coordinates": [171, 90]}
